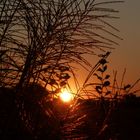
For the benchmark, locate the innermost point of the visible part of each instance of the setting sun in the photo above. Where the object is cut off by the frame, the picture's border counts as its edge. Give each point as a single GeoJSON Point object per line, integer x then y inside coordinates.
{"type": "Point", "coordinates": [66, 96]}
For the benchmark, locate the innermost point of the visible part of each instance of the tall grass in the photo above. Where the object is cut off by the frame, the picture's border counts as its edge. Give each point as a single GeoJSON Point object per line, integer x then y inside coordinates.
{"type": "Point", "coordinates": [40, 43]}
{"type": "Point", "coordinates": [37, 36]}
{"type": "Point", "coordinates": [91, 118]}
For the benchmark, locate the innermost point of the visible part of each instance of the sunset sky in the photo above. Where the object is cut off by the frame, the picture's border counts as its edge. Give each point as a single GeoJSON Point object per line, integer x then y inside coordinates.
{"type": "Point", "coordinates": [127, 55]}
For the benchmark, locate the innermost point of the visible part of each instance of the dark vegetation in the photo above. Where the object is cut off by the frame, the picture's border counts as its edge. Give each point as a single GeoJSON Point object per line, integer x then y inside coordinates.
{"type": "Point", "coordinates": [42, 44]}
{"type": "Point", "coordinates": [86, 121]}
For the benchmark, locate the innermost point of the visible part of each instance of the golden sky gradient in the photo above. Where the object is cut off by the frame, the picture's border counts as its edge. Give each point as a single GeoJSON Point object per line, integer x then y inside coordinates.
{"type": "Point", "coordinates": [127, 55]}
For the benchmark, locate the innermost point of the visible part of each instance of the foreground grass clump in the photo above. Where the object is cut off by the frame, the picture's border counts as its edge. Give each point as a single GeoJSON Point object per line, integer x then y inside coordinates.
{"type": "Point", "coordinates": [29, 116]}
{"type": "Point", "coordinates": [54, 119]}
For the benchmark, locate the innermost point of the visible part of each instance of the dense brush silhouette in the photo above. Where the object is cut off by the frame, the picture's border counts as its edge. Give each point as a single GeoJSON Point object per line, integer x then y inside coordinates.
{"type": "Point", "coordinates": [10, 123]}
{"type": "Point", "coordinates": [31, 117]}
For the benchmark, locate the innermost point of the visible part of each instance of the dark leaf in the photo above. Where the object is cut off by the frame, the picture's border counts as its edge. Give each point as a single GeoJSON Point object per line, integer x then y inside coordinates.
{"type": "Point", "coordinates": [101, 70]}
{"type": "Point", "coordinates": [108, 53]}
{"type": "Point", "coordinates": [126, 87]}
{"type": "Point", "coordinates": [107, 76]}
{"type": "Point", "coordinates": [63, 68]}
{"type": "Point", "coordinates": [105, 68]}
{"type": "Point", "coordinates": [103, 61]}
{"type": "Point", "coordinates": [106, 83]}
{"type": "Point", "coordinates": [63, 83]}
{"type": "Point", "coordinates": [45, 69]}
{"type": "Point", "coordinates": [95, 74]}
{"type": "Point", "coordinates": [52, 82]}
{"type": "Point", "coordinates": [99, 89]}
{"type": "Point", "coordinates": [64, 76]}
{"type": "Point", "coordinates": [104, 55]}
{"type": "Point", "coordinates": [100, 78]}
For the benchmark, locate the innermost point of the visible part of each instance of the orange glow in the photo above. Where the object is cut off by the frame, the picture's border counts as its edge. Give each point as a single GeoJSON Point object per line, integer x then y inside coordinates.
{"type": "Point", "coordinates": [66, 96]}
